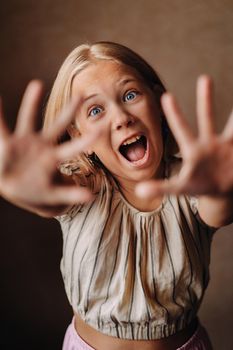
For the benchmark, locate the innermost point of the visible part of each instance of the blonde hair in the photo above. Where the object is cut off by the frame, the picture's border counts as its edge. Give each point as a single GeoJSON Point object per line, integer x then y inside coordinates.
{"type": "Point", "coordinates": [80, 58]}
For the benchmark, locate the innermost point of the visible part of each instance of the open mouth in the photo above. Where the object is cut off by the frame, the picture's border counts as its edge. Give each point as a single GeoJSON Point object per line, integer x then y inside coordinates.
{"type": "Point", "coordinates": [134, 149]}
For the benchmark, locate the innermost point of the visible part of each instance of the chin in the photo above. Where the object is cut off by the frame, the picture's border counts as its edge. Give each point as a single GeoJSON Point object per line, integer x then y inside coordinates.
{"type": "Point", "coordinates": [139, 176]}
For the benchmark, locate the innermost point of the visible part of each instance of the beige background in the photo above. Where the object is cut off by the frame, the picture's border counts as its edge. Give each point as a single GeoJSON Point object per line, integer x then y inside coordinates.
{"type": "Point", "coordinates": [181, 39]}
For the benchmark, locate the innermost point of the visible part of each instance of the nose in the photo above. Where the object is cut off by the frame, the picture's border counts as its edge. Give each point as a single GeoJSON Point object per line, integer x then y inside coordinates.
{"type": "Point", "coordinates": [122, 119]}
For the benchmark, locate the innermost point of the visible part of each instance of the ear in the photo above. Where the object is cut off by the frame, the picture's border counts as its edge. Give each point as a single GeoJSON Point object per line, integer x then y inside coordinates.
{"type": "Point", "coordinates": [73, 131]}
{"type": "Point", "coordinates": [89, 152]}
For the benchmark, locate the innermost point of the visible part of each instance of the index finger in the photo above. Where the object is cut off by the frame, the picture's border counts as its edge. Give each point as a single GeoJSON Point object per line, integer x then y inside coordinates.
{"type": "Point", "coordinates": [176, 121]}
{"type": "Point", "coordinates": [205, 107]}
{"type": "Point", "coordinates": [154, 188]}
{"type": "Point", "coordinates": [29, 108]}
{"type": "Point", "coordinates": [53, 131]}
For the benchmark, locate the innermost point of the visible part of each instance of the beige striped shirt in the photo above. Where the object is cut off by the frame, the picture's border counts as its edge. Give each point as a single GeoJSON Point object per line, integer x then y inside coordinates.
{"type": "Point", "coordinates": [131, 274]}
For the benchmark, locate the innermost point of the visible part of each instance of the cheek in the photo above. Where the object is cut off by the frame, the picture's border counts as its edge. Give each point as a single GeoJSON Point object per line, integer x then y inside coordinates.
{"type": "Point", "coordinates": [158, 136]}
{"type": "Point", "coordinates": [80, 125]}
{"type": "Point", "coordinates": [160, 140]}
{"type": "Point", "coordinates": [156, 122]}
{"type": "Point", "coordinates": [102, 148]}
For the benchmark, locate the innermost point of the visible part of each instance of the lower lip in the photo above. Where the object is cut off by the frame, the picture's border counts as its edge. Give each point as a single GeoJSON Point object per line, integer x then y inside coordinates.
{"type": "Point", "coordinates": [141, 162]}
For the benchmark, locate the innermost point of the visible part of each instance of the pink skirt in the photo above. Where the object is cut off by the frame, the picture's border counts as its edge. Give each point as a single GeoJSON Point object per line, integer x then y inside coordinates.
{"type": "Point", "coordinates": [198, 341]}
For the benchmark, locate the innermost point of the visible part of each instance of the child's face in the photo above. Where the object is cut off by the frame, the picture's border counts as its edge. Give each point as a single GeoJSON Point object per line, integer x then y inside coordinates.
{"type": "Point", "coordinates": [116, 96]}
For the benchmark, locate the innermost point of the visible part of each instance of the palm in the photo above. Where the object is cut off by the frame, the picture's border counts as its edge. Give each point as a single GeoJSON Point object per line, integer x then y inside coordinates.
{"type": "Point", "coordinates": [206, 169]}
{"type": "Point", "coordinates": [29, 159]}
{"type": "Point", "coordinates": [21, 166]}
{"type": "Point", "coordinates": [207, 166]}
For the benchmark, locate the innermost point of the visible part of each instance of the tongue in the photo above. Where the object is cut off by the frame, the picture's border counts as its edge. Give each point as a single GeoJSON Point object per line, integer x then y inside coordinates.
{"type": "Point", "coordinates": [135, 152]}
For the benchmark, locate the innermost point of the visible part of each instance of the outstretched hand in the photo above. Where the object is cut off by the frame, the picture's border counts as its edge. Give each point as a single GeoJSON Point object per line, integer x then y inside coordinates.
{"type": "Point", "coordinates": [29, 159]}
{"type": "Point", "coordinates": [207, 167]}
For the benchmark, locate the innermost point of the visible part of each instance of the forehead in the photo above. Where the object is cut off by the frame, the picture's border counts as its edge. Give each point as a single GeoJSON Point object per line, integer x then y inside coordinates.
{"type": "Point", "coordinates": [103, 73]}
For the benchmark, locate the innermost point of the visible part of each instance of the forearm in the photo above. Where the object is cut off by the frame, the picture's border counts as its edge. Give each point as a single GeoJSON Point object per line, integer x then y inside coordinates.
{"type": "Point", "coordinates": [51, 213]}
{"type": "Point", "coordinates": [216, 211]}
{"type": "Point", "coordinates": [40, 210]}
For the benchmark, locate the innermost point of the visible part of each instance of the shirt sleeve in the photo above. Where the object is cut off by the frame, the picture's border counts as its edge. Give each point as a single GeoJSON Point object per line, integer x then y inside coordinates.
{"type": "Point", "coordinates": [96, 184]}
{"type": "Point", "coordinates": [193, 202]}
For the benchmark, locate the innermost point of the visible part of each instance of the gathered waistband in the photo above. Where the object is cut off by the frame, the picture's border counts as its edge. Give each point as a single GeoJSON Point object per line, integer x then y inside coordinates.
{"type": "Point", "coordinates": [199, 340]}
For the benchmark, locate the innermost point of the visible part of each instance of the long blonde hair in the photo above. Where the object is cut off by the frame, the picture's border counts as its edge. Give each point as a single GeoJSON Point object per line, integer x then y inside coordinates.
{"type": "Point", "coordinates": [80, 58]}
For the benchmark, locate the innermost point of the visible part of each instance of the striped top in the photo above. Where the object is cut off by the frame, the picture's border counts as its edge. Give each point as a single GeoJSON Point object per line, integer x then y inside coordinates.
{"type": "Point", "coordinates": [131, 274]}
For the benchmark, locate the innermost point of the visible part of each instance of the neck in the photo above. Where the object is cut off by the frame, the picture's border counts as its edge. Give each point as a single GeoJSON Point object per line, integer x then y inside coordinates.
{"type": "Point", "coordinates": [127, 188]}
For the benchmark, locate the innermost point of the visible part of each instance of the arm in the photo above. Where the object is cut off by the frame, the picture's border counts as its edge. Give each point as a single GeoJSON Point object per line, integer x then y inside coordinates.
{"type": "Point", "coordinates": [216, 212]}
{"type": "Point", "coordinates": [207, 169]}
{"type": "Point", "coordinates": [29, 176]}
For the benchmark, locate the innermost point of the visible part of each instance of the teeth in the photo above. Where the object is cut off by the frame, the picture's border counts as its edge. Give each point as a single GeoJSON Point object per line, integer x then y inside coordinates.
{"type": "Point", "coordinates": [133, 139]}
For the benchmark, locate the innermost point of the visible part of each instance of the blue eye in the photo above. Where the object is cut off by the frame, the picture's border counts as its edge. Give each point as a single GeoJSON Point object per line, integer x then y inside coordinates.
{"type": "Point", "coordinates": [129, 96]}
{"type": "Point", "coordinates": [94, 111]}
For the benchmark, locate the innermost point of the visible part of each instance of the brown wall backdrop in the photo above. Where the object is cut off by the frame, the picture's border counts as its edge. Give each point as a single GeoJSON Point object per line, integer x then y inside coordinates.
{"type": "Point", "coordinates": [181, 39]}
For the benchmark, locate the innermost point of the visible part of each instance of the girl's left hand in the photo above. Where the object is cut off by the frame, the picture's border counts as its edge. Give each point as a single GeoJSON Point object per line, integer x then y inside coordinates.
{"type": "Point", "coordinates": [207, 167]}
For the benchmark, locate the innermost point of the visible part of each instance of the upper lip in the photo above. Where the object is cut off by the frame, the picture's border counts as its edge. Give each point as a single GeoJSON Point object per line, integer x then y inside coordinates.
{"type": "Point", "coordinates": [129, 137]}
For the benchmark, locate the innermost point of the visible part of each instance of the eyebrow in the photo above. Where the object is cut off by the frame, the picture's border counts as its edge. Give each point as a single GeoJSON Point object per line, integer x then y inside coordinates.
{"type": "Point", "coordinates": [121, 82]}
{"type": "Point", "coordinates": [88, 97]}
{"type": "Point", "coordinates": [127, 80]}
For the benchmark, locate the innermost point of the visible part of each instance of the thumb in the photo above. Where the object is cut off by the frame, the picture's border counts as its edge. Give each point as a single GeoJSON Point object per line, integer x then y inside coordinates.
{"type": "Point", "coordinates": [152, 188]}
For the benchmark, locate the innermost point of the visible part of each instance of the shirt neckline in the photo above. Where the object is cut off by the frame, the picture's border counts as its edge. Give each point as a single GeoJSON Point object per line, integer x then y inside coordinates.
{"type": "Point", "coordinates": [142, 213]}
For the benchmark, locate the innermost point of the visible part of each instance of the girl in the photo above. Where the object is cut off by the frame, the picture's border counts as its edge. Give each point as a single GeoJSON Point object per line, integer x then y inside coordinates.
{"type": "Point", "coordinates": [137, 221]}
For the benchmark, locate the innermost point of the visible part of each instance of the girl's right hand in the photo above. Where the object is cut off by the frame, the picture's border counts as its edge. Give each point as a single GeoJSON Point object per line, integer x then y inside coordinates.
{"type": "Point", "coordinates": [29, 159]}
